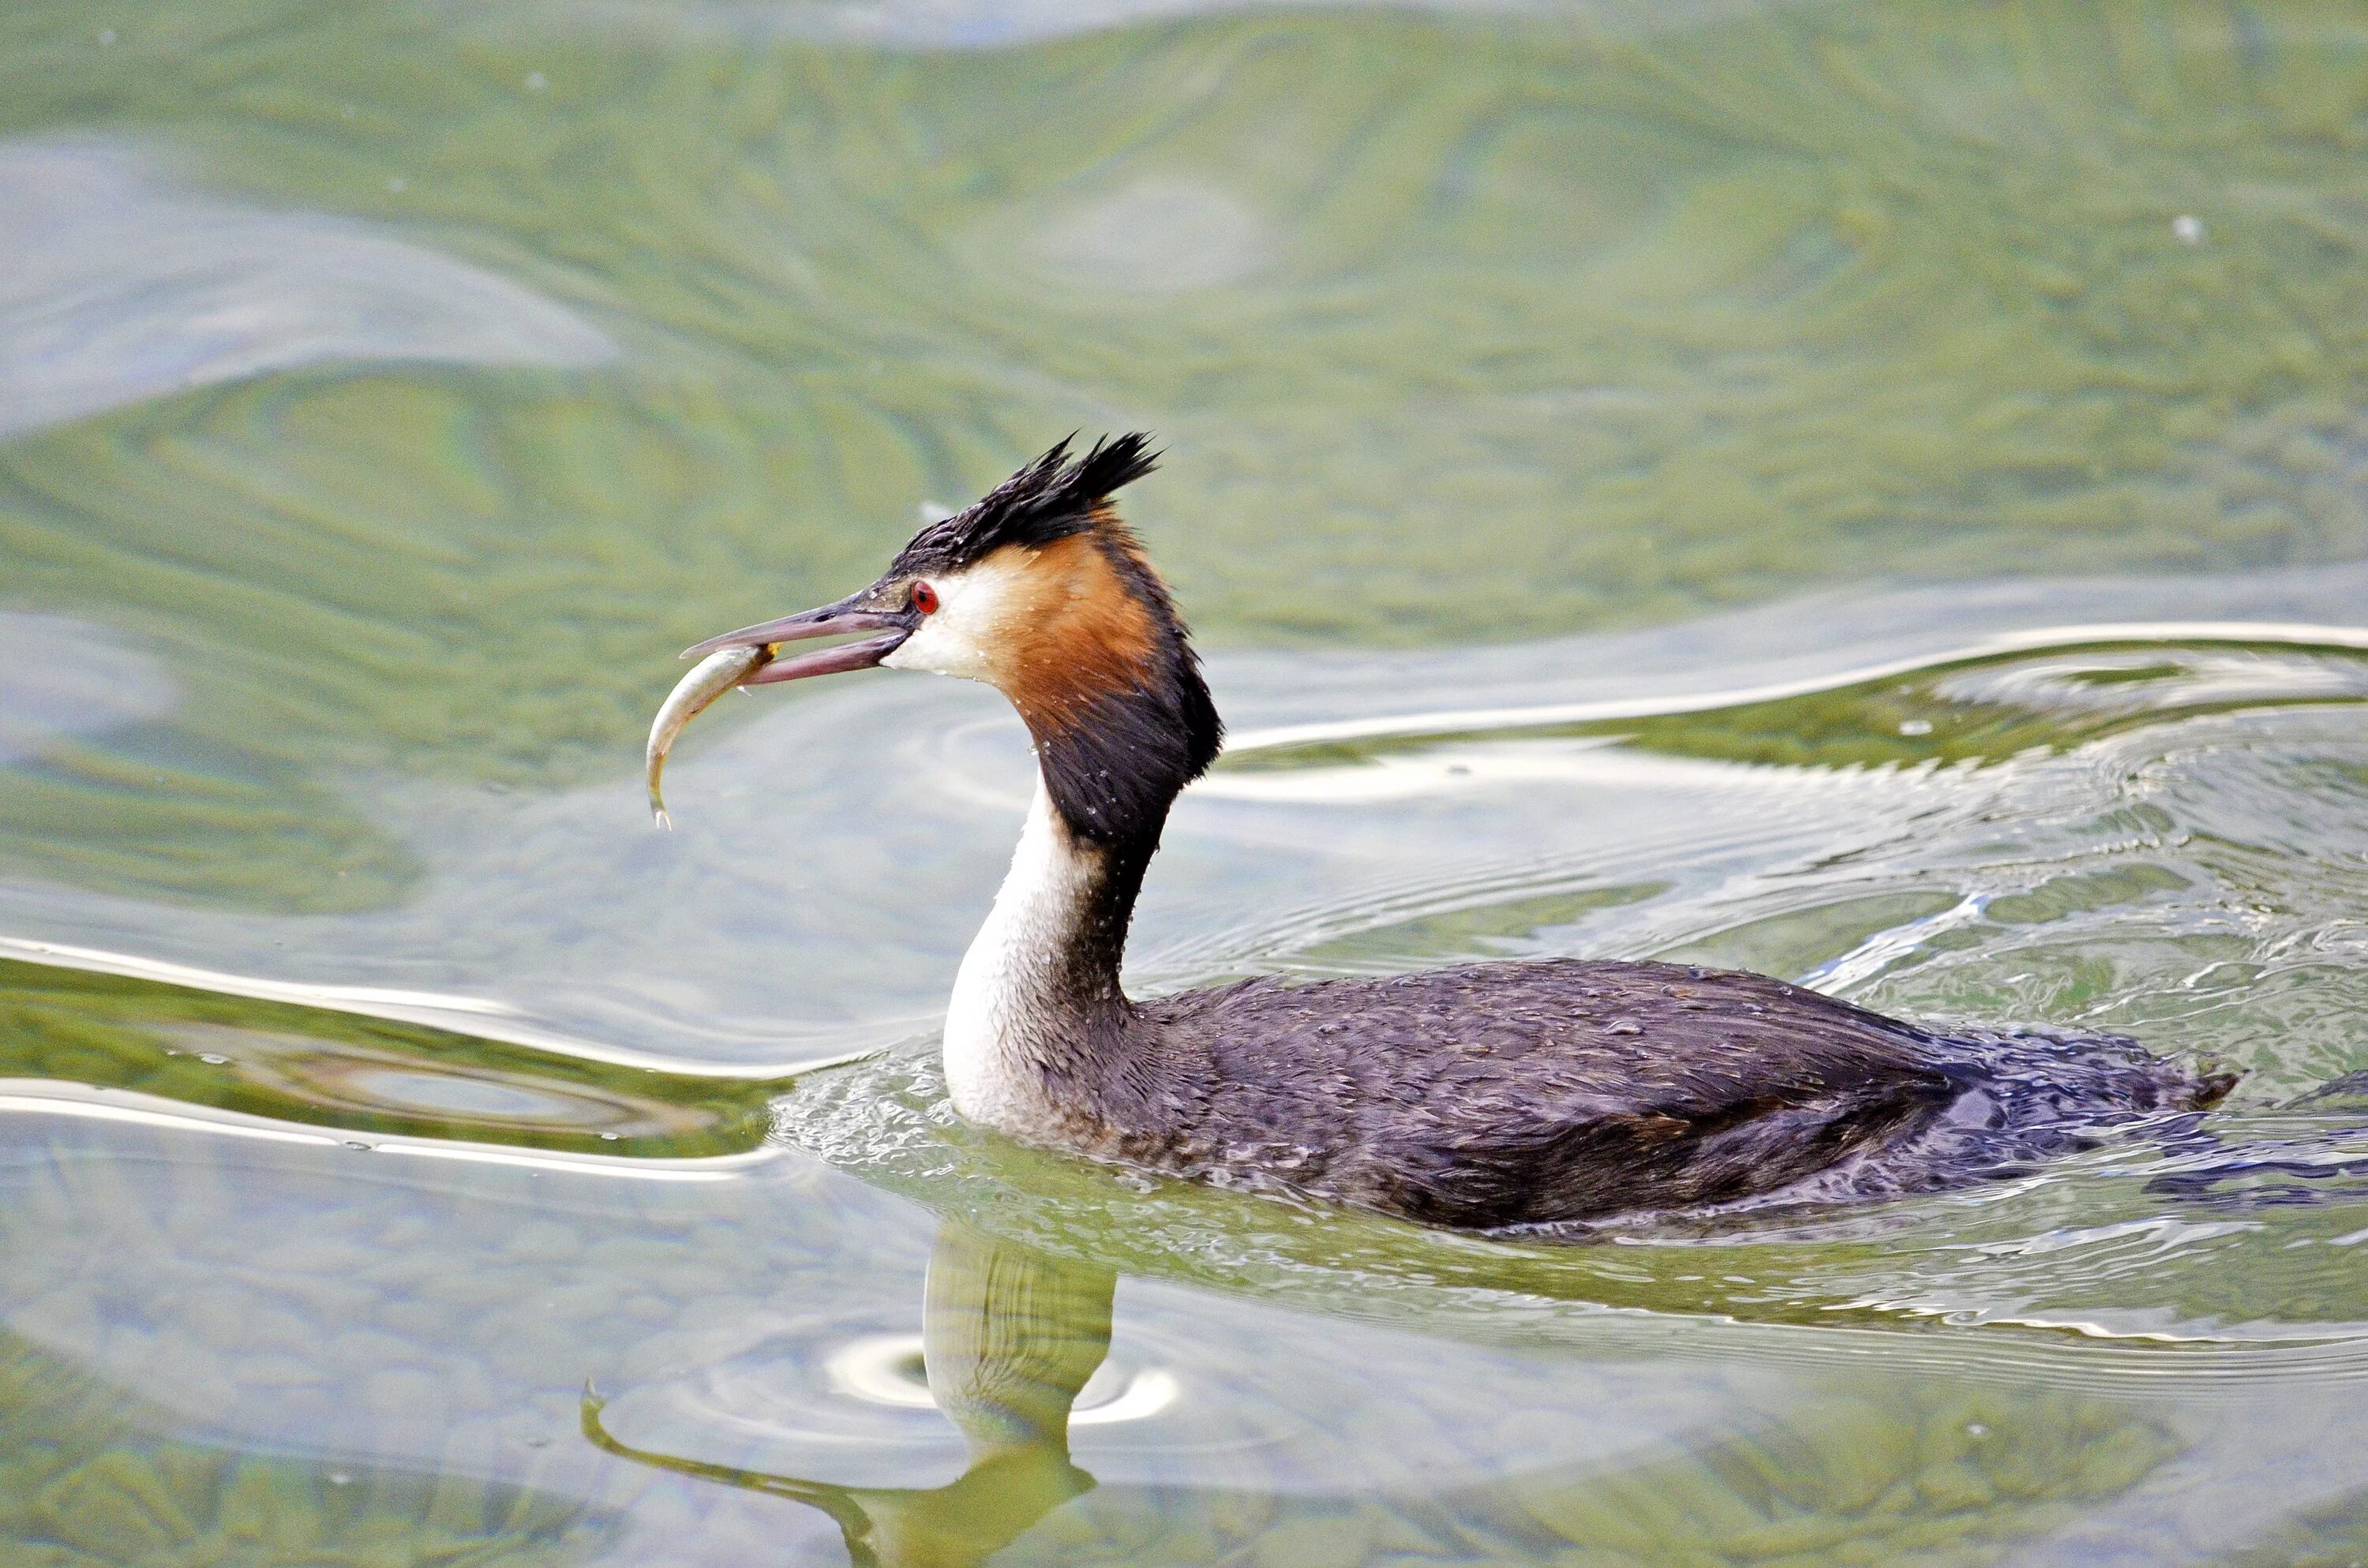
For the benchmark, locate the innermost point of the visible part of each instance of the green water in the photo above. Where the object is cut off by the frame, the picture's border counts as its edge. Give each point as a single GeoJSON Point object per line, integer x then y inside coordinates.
{"type": "Point", "coordinates": [1876, 495]}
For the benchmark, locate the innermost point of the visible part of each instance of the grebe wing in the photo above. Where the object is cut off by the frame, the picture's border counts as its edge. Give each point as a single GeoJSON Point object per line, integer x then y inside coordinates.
{"type": "Point", "coordinates": [1521, 1093]}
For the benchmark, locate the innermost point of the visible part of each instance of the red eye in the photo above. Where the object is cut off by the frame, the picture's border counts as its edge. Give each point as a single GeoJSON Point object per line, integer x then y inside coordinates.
{"type": "Point", "coordinates": [925, 599]}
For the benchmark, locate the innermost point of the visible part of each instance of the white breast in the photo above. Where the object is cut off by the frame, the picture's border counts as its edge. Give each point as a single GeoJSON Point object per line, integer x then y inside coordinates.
{"type": "Point", "coordinates": [1007, 991]}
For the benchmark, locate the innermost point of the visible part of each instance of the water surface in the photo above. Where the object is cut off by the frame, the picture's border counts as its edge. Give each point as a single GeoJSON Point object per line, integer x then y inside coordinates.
{"type": "Point", "coordinates": [1875, 495]}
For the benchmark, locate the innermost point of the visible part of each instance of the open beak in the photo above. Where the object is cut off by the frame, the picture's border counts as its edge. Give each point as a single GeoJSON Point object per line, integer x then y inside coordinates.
{"type": "Point", "coordinates": [849, 615]}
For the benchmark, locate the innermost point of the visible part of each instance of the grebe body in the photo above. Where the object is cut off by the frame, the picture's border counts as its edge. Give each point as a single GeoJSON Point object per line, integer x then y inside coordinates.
{"type": "Point", "coordinates": [1487, 1097]}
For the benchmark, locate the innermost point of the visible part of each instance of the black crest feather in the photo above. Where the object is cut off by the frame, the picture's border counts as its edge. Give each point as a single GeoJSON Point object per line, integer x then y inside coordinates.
{"type": "Point", "coordinates": [1051, 498]}
{"type": "Point", "coordinates": [1113, 767]}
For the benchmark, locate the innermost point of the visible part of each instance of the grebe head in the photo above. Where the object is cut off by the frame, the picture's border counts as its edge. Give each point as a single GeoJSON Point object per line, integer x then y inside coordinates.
{"type": "Point", "coordinates": [1040, 591]}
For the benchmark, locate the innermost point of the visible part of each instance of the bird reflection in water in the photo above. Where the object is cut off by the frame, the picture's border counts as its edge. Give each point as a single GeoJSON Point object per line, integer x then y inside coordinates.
{"type": "Point", "coordinates": [1009, 1336]}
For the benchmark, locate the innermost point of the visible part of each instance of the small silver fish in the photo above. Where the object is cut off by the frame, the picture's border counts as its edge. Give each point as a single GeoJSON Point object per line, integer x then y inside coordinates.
{"type": "Point", "coordinates": [709, 679]}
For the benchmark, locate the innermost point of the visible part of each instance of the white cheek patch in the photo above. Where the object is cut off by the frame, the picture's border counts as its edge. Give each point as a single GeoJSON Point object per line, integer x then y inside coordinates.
{"type": "Point", "coordinates": [976, 609]}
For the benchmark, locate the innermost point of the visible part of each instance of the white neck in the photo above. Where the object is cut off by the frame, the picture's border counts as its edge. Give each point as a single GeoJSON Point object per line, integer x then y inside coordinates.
{"type": "Point", "coordinates": [1009, 1001]}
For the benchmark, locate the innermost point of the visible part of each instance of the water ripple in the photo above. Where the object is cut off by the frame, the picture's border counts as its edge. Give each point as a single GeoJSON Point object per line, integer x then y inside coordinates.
{"type": "Point", "coordinates": [118, 286]}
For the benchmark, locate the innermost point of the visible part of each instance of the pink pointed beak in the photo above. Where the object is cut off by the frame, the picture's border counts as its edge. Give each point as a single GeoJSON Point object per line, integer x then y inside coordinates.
{"type": "Point", "coordinates": [829, 620]}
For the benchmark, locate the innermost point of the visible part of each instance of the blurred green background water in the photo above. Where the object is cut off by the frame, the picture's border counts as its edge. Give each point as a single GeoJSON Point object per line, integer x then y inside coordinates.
{"type": "Point", "coordinates": [1456, 327]}
{"type": "Point", "coordinates": [1699, 480]}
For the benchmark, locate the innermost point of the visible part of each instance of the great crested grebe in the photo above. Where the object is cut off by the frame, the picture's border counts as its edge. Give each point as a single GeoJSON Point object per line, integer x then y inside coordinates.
{"type": "Point", "coordinates": [1488, 1095]}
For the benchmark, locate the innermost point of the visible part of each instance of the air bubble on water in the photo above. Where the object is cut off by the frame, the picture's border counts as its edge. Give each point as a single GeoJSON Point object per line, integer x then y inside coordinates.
{"type": "Point", "coordinates": [610, 1137]}
{"type": "Point", "coordinates": [2187, 229]}
{"type": "Point", "coordinates": [211, 1059]}
{"type": "Point", "coordinates": [1915, 726]}
{"type": "Point", "coordinates": [339, 1478]}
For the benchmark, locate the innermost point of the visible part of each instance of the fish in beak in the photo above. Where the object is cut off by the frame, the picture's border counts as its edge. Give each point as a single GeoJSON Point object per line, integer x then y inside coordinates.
{"type": "Point", "coordinates": [866, 611]}
{"type": "Point", "coordinates": [751, 656]}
